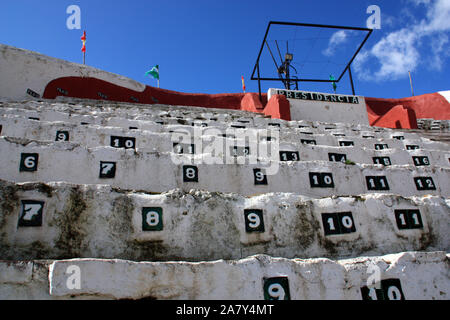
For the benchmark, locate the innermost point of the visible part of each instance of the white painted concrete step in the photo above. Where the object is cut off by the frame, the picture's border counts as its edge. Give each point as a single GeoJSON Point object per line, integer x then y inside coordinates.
{"type": "Point", "coordinates": [359, 152]}
{"type": "Point", "coordinates": [385, 157]}
{"type": "Point", "coordinates": [48, 110]}
{"type": "Point", "coordinates": [401, 276]}
{"type": "Point", "coordinates": [100, 112]}
{"type": "Point", "coordinates": [104, 109]}
{"type": "Point", "coordinates": [92, 136]}
{"type": "Point", "coordinates": [368, 140]}
{"type": "Point", "coordinates": [51, 111]}
{"type": "Point", "coordinates": [28, 161]}
{"type": "Point", "coordinates": [58, 220]}
{"type": "Point", "coordinates": [153, 123]}
{"type": "Point", "coordinates": [55, 111]}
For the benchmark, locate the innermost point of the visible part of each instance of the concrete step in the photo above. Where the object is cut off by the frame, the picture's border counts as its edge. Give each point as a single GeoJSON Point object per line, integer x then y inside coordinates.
{"type": "Point", "coordinates": [59, 220]}
{"type": "Point", "coordinates": [406, 275]}
{"type": "Point", "coordinates": [156, 122]}
{"type": "Point", "coordinates": [55, 111]}
{"type": "Point", "coordinates": [152, 139]}
{"type": "Point", "coordinates": [28, 161]}
{"type": "Point", "coordinates": [100, 109]}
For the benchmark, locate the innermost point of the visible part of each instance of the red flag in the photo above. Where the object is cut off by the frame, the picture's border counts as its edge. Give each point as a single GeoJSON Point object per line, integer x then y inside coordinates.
{"type": "Point", "coordinates": [83, 38]}
{"type": "Point", "coordinates": [243, 84]}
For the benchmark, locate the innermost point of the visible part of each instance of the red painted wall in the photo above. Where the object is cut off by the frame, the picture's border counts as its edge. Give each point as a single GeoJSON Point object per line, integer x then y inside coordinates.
{"type": "Point", "coordinates": [278, 107]}
{"type": "Point", "coordinates": [390, 113]}
{"type": "Point", "coordinates": [398, 117]}
{"type": "Point", "coordinates": [92, 88]}
{"type": "Point", "coordinates": [431, 105]}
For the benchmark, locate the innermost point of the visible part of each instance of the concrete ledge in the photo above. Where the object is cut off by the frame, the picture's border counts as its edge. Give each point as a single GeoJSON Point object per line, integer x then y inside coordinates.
{"type": "Point", "coordinates": [407, 275]}
{"type": "Point", "coordinates": [151, 122]}
{"type": "Point", "coordinates": [244, 279]}
{"type": "Point", "coordinates": [16, 272]}
{"type": "Point", "coordinates": [362, 150]}
{"type": "Point", "coordinates": [159, 172]}
{"type": "Point", "coordinates": [104, 222]}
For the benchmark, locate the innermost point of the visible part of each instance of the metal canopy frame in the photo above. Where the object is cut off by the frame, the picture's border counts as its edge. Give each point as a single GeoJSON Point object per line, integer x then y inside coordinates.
{"type": "Point", "coordinates": [347, 68]}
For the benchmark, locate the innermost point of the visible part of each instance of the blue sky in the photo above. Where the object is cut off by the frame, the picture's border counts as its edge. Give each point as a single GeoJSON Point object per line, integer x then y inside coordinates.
{"type": "Point", "coordinates": [206, 46]}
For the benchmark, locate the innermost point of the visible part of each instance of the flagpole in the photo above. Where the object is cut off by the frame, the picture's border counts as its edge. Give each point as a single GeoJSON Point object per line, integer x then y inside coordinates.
{"type": "Point", "coordinates": [410, 82]}
{"type": "Point", "coordinates": [83, 49]}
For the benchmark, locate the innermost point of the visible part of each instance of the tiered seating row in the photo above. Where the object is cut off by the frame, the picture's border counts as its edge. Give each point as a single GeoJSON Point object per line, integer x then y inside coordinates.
{"type": "Point", "coordinates": [373, 151]}
{"type": "Point", "coordinates": [409, 276]}
{"type": "Point", "coordinates": [51, 111]}
{"type": "Point", "coordinates": [432, 124]}
{"type": "Point", "coordinates": [100, 113]}
{"type": "Point", "coordinates": [61, 220]}
{"type": "Point", "coordinates": [158, 172]}
{"type": "Point", "coordinates": [16, 126]}
{"type": "Point", "coordinates": [334, 135]}
{"type": "Point", "coordinates": [85, 113]}
{"type": "Point", "coordinates": [95, 113]}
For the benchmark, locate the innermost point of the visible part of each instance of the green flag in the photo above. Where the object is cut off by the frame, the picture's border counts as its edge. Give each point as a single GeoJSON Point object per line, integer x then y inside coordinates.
{"type": "Point", "coordinates": [334, 83]}
{"type": "Point", "coordinates": [154, 72]}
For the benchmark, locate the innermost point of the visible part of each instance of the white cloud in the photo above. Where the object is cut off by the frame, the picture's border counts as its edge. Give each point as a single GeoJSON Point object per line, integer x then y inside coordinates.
{"type": "Point", "coordinates": [388, 21]}
{"type": "Point", "coordinates": [396, 53]}
{"type": "Point", "coordinates": [440, 47]}
{"type": "Point", "coordinates": [336, 39]}
{"type": "Point", "coordinates": [399, 51]}
{"type": "Point", "coordinates": [359, 66]}
{"type": "Point", "coordinates": [439, 16]}
{"type": "Point", "coordinates": [419, 2]}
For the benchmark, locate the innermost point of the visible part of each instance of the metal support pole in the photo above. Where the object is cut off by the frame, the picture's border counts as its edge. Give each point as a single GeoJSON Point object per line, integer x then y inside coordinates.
{"type": "Point", "coordinates": [351, 80]}
{"type": "Point", "coordinates": [410, 82]}
{"type": "Point", "coordinates": [288, 77]}
{"type": "Point", "coordinates": [259, 82]}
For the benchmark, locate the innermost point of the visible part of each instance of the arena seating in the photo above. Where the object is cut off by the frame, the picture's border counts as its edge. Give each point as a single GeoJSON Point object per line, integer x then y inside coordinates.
{"type": "Point", "coordinates": [112, 189]}
{"type": "Point", "coordinates": [96, 181]}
